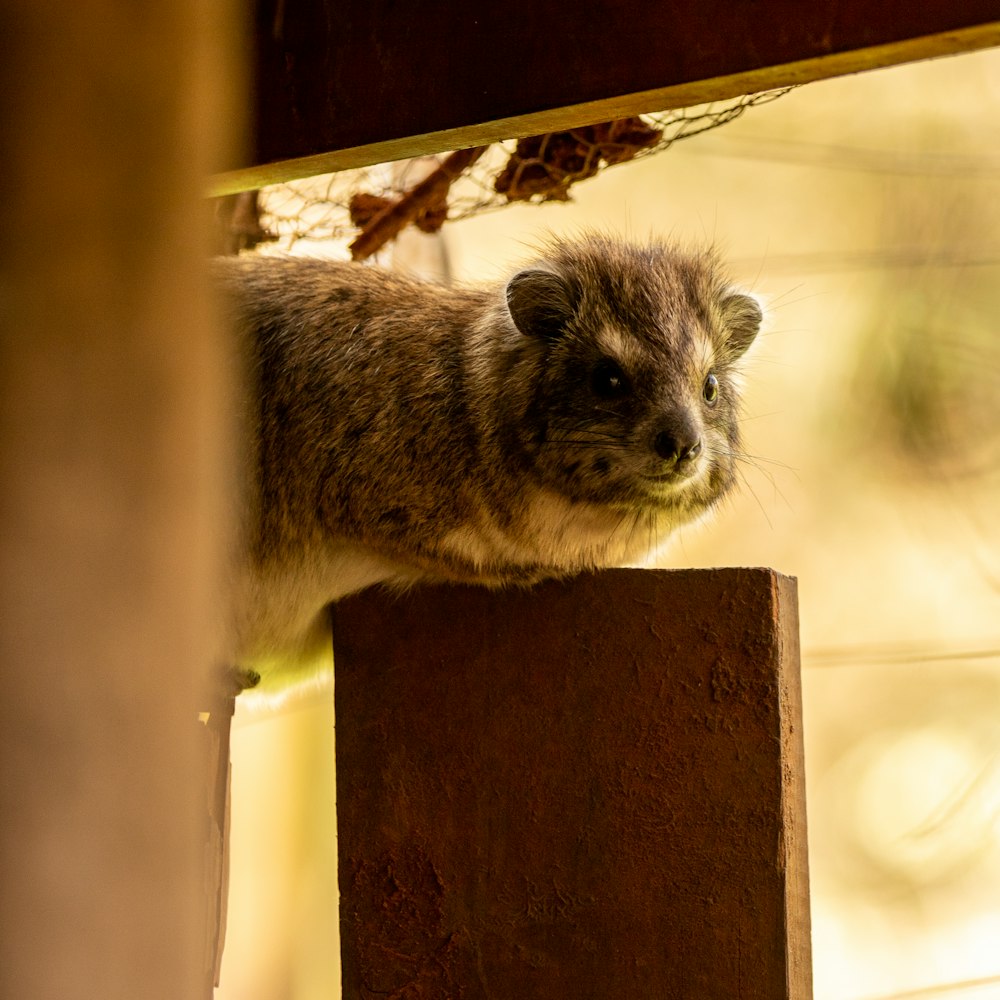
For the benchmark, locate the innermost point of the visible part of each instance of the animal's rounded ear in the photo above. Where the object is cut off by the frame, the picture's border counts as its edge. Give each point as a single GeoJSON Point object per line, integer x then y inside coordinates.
{"type": "Point", "coordinates": [539, 303]}
{"type": "Point", "coordinates": [742, 316]}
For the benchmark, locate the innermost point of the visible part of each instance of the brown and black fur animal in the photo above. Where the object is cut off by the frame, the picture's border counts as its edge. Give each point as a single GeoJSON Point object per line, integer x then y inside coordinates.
{"type": "Point", "coordinates": [568, 418]}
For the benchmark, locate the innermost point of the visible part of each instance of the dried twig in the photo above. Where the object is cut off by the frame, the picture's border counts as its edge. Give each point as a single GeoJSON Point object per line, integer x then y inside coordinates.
{"type": "Point", "coordinates": [543, 167]}
{"type": "Point", "coordinates": [429, 193]}
{"type": "Point", "coordinates": [237, 223]}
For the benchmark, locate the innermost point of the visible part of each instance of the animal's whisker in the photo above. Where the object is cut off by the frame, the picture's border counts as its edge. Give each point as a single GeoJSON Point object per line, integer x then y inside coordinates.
{"type": "Point", "coordinates": [758, 460]}
{"type": "Point", "coordinates": [594, 445]}
{"type": "Point", "coordinates": [757, 500]}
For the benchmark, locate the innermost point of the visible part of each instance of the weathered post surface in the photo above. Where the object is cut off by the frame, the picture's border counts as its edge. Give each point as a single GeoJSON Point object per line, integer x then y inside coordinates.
{"type": "Point", "coordinates": [591, 789]}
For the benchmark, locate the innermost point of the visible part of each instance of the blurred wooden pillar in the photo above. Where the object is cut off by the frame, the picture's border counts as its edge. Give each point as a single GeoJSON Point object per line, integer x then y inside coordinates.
{"type": "Point", "coordinates": [591, 789]}
{"type": "Point", "coordinates": [113, 452]}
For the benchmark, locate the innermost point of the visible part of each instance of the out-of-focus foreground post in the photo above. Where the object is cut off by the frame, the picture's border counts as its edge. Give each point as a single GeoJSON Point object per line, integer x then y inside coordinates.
{"type": "Point", "coordinates": [113, 394]}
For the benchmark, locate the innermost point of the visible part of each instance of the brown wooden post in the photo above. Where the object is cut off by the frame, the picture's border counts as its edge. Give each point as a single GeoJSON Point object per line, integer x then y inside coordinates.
{"type": "Point", "coordinates": [114, 390]}
{"type": "Point", "coordinates": [591, 789]}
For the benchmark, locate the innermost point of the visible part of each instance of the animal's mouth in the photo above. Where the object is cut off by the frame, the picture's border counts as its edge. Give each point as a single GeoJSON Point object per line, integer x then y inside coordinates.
{"type": "Point", "coordinates": [672, 476]}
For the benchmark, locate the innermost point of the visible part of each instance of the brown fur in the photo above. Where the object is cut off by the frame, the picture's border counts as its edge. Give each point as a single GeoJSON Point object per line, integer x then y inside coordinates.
{"type": "Point", "coordinates": [548, 424]}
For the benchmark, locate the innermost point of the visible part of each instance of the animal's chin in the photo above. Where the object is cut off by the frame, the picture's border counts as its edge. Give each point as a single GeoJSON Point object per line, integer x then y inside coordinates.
{"type": "Point", "coordinates": [640, 492]}
{"type": "Point", "coordinates": [668, 495]}
{"type": "Point", "coordinates": [648, 486]}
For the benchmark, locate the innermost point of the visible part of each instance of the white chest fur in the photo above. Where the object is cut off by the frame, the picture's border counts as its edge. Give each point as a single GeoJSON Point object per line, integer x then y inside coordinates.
{"type": "Point", "coordinates": [564, 534]}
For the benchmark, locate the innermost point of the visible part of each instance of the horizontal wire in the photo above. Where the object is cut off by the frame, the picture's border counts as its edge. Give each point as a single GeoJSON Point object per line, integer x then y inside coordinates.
{"type": "Point", "coordinates": [865, 260]}
{"type": "Point", "coordinates": [891, 653]}
{"type": "Point", "coordinates": [792, 151]}
{"type": "Point", "coordinates": [941, 990]}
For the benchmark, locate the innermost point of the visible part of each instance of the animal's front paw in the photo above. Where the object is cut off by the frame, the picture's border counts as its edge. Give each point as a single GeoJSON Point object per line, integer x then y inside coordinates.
{"type": "Point", "coordinates": [242, 679]}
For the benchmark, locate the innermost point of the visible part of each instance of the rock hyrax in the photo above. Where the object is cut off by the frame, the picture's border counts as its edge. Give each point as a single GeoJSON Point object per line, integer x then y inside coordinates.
{"type": "Point", "coordinates": [569, 417]}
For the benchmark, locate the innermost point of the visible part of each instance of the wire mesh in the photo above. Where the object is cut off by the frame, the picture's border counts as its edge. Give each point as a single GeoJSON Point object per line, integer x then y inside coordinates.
{"type": "Point", "coordinates": [532, 170]}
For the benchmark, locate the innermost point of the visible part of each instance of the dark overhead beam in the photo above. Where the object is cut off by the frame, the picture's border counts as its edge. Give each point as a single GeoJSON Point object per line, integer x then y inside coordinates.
{"type": "Point", "coordinates": [344, 83]}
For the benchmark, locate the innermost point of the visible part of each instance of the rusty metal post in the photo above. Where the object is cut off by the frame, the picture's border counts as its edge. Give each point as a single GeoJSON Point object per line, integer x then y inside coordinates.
{"type": "Point", "coordinates": [590, 789]}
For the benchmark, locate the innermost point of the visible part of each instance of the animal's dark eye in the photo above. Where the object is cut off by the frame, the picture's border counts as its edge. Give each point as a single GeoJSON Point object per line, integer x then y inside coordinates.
{"type": "Point", "coordinates": [711, 390]}
{"type": "Point", "coordinates": [607, 380]}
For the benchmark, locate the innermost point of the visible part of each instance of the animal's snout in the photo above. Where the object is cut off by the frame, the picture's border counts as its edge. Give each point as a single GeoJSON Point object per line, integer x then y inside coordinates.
{"type": "Point", "coordinates": [678, 441]}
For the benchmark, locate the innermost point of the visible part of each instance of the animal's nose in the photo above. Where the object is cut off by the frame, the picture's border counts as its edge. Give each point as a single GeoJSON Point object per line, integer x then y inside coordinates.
{"type": "Point", "coordinates": [678, 443]}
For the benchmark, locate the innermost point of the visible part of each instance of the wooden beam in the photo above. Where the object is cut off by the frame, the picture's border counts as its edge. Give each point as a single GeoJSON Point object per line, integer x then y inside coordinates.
{"type": "Point", "coordinates": [589, 789]}
{"type": "Point", "coordinates": [348, 83]}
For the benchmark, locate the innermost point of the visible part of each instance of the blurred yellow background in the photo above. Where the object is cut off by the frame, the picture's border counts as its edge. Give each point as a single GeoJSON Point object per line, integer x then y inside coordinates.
{"type": "Point", "coordinates": [865, 211]}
